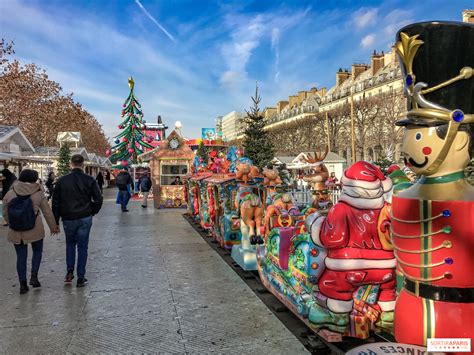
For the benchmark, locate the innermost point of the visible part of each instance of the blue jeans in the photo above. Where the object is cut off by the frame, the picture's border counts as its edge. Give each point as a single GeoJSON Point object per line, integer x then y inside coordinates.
{"type": "Point", "coordinates": [22, 257]}
{"type": "Point", "coordinates": [123, 197]}
{"type": "Point", "coordinates": [77, 235]}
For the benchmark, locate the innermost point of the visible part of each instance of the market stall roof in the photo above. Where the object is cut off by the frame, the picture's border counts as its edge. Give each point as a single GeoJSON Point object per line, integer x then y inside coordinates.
{"type": "Point", "coordinates": [330, 158]}
{"type": "Point", "coordinates": [14, 133]}
{"type": "Point", "coordinates": [283, 159]}
{"type": "Point", "coordinates": [165, 151]}
{"type": "Point", "coordinates": [7, 156]}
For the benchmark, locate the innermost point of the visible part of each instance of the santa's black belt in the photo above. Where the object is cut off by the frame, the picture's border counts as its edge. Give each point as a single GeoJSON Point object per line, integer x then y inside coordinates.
{"type": "Point", "coordinates": [439, 293]}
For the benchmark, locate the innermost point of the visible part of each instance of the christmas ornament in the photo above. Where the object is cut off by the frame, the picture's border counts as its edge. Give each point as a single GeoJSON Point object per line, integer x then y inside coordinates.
{"type": "Point", "coordinates": [130, 150]}
{"type": "Point", "coordinates": [124, 163]}
{"type": "Point", "coordinates": [124, 139]}
{"type": "Point", "coordinates": [134, 126]}
{"type": "Point", "coordinates": [120, 126]}
{"type": "Point", "coordinates": [107, 152]}
{"type": "Point", "coordinates": [117, 141]}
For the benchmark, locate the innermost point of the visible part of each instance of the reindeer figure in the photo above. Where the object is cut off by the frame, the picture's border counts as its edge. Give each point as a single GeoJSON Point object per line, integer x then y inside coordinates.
{"type": "Point", "coordinates": [248, 203]}
{"type": "Point", "coordinates": [277, 203]}
{"type": "Point", "coordinates": [317, 178]}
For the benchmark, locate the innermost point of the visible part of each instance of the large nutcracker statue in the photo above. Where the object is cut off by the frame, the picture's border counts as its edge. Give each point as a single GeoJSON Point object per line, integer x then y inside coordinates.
{"type": "Point", "coordinates": [433, 221]}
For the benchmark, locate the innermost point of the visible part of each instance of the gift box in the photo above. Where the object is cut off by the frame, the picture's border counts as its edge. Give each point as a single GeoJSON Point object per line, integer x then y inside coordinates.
{"type": "Point", "coordinates": [367, 293]}
{"type": "Point", "coordinates": [359, 326]}
{"type": "Point", "coordinates": [366, 310]}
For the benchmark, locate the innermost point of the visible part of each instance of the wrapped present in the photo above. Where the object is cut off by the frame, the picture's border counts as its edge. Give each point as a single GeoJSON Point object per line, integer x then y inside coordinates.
{"type": "Point", "coordinates": [359, 326]}
{"type": "Point", "coordinates": [367, 310]}
{"type": "Point", "coordinates": [367, 293]}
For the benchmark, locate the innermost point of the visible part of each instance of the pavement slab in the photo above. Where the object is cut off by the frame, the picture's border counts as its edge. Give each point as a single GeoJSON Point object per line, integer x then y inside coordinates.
{"type": "Point", "coordinates": [155, 286]}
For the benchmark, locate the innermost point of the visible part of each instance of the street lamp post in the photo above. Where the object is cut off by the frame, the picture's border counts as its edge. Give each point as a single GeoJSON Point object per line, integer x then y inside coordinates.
{"type": "Point", "coordinates": [327, 127]}
{"type": "Point", "coordinates": [352, 127]}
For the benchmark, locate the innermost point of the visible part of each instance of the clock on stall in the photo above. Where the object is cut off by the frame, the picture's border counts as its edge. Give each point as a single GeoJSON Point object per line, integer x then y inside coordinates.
{"type": "Point", "coordinates": [174, 143]}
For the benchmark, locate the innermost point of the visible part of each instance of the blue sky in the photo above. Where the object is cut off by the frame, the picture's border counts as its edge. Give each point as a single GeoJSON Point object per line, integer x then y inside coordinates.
{"type": "Point", "coordinates": [195, 60]}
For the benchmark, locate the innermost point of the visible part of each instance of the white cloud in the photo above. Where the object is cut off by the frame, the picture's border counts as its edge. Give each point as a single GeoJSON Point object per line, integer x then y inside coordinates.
{"type": "Point", "coordinates": [230, 79]}
{"type": "Point", "coordinates": [367, 41]}
{"type": "Point", "coordinates": [246, 34]}
{"type": "Point", "coordinates": [275, 47]}
{"type": "Point", "coordinates": [364, 17]}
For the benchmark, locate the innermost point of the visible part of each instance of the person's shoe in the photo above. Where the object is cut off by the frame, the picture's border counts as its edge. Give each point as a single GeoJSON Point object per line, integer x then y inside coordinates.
{"type": "Point", "coordinates": [81, 282]}
{"type": "Point", "coordinates": [144, 206]}
{"type": "Point", "coordinates": [253, 240]}
{"type": "Point", "coordinates": [124, 210]}
{"type": "Point", "coordinates": [34, 280]}
{"type": "Point", "coordinates": [69, 277]}
{"type": "Point", "coordinates": [24, 288]}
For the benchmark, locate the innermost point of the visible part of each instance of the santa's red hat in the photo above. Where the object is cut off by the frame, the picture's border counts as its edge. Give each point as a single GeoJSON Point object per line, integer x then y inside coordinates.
{"type": "Point", "coordinates": [364, 185]}
{"type": "Point", "coordinates": [366, 175]}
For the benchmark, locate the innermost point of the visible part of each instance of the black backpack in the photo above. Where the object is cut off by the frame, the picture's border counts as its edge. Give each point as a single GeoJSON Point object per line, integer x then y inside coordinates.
{"type": "Point", "coordinates": [121, 181]}
{"type": "Point", "coordinates": [21, 215]}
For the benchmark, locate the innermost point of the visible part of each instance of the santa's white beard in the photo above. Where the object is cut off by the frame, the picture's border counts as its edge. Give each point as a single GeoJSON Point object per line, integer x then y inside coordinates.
{"type": "Point", "coordinates": [362, 198]}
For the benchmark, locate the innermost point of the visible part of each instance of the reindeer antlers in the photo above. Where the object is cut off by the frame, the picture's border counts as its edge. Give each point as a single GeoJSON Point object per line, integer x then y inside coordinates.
{"type": "Point", "coordinates": [318, 156]}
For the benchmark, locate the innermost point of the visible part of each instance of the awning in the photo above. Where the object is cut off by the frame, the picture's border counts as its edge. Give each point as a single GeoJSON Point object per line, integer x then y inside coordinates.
{"type": "Point", "coordinates": [7, 156]}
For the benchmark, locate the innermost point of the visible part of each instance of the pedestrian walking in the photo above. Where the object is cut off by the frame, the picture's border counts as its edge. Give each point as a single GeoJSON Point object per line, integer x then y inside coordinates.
{"type": "Point", "coordinates": [8, 178]}
{"type": "Point", "coordinates": [124, 184]}
{"type": "Point", "coordinates": [76, 199]}
{"type": "Point", "coordinates": [144, 184]}
{"type": "Point", "coordinates": [100, 181]}
{"type": "Point", "coordinates": [50, 184]}
{"type": "Point", "coordinates": [21, 209]}
{"type": "Point", "coordinates": [107, 177]}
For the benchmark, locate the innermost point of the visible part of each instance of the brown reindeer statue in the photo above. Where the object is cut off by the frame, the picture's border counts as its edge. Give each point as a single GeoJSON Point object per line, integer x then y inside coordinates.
{"type": "Point", "coordinates": [248, 203]}
{"type": "Point", "coordinates": [317, 178]}
{"type": "Point", "coordinates": [278, 204]}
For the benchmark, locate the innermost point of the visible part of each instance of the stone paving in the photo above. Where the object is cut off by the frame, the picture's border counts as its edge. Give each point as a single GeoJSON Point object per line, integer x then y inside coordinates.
{"type": "Point", "coordinates": [154, 287]}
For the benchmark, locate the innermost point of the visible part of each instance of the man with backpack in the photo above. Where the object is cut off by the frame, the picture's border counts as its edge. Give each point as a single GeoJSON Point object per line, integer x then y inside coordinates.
{"type": "Point", "coordinates": [76, 199]}
{"type": "Point", "coordinates": [21, 209]}
{"type": "Point", "coordinates": [144, 184]}
{"type": "Point", "coordinates": [124, 182]}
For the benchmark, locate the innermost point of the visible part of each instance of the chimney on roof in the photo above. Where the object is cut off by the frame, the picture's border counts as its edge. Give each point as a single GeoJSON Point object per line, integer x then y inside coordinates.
{"type": "Point", "coordinates": [281, 105]}
{"type": "Point", "coordinates": [358, 69]}
{"type": "Point", "coordinates": [341, 76]}
{"type": "Point", "coordinates": [377, 62]}
{"type": "Point", "coordinates": [159, 119]}
{"type": "Point", "coordinates": [468, 16]}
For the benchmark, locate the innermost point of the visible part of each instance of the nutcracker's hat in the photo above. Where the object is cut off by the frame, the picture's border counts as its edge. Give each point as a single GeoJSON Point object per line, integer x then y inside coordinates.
{"type": "Point", "coordinates": [437, 61]}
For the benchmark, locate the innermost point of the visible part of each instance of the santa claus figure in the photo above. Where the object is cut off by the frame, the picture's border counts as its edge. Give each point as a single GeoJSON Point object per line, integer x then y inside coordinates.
{"type": "Point", "coordinates": [357, 252]}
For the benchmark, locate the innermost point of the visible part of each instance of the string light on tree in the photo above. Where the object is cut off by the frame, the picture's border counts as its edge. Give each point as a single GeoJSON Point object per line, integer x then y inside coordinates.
{"type": "Point", "coordinates": [129, 143]}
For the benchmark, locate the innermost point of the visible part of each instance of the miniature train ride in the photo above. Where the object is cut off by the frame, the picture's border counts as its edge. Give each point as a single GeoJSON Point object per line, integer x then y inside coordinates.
{"type": "Point", "coordinates": [391, 255]}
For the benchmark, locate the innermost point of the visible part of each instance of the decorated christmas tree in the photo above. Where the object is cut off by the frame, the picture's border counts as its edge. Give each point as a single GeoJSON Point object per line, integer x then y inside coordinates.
{"type": "Point", "coordinates": [202, 152]}
{"type": "Point", "coordinates": [64, 160]}
{"type": "Point", "coordinates": [257, 144]}
{"type": "Point", "coordinates": [130, 142]}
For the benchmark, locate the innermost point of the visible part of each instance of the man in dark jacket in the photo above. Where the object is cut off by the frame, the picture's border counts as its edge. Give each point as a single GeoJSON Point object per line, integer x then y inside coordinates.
{"type": "Point", "coordinates": [76, 198]}
{"type": "Point", "coordinates": [124, 184]}
{"type": "Point", "coordinates": [144, 184]}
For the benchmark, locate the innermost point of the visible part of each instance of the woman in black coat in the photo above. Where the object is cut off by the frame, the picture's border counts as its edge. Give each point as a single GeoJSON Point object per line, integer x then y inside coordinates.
{"type": "Point", "coordinates": [100, 181]}
{"type": "Point", "coordinates": [7, 181]}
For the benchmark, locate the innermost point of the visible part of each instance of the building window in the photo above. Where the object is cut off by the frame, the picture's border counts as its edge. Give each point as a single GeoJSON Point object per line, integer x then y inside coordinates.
{"type": "Point", "coordinates": [170, 172]}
